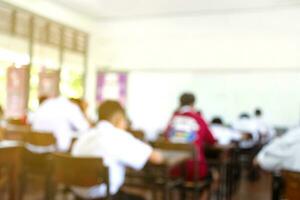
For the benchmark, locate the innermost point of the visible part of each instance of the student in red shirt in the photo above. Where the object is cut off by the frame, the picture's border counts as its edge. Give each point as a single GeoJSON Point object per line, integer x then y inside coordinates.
{"type": "Point", "coordinates": [188, 126]}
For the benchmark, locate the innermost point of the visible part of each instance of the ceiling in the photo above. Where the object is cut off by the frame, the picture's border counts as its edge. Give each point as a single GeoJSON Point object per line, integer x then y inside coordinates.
{"type": "Point", "coordinates": [102, 9]}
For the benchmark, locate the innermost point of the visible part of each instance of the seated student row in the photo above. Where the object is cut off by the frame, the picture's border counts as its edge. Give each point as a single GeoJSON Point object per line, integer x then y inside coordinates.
{"type": "Point", "coordinates": [112, 119]}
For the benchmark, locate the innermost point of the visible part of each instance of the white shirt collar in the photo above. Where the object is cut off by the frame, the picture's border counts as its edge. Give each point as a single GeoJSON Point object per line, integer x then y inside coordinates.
{"type": "Point", "coordinates": [185, 109]}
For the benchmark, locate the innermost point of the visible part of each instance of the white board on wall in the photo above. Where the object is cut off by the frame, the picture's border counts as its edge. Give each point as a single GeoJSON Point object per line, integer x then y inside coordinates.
{"type": "Point", "coordinates": [153, 96]}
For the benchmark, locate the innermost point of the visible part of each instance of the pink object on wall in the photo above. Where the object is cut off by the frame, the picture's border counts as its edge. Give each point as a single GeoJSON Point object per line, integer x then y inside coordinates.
{"type": "Point", "coordinates": [17, 89]}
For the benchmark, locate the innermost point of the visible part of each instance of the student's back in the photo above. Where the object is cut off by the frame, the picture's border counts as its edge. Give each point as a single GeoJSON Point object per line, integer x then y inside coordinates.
{"type": "Point", "coordinates": [188, 126]}
{"type": "Point", "coordinates": [62, 118]}
{"type": "Point", "coordinates": [118, 149]}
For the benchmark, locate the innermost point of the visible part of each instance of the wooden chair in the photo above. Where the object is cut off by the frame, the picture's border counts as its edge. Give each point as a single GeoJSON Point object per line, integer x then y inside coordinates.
{"type": "Point", "coordinates": [196, 186]}
{"type": "Point", "coordinates": [78, 171]}
{"type": "Point", "coordinates": [10, 154]}
{"type": "Point", "coordinates": [291, 185]}
{"type": "Point", "coordinates": [14, 132]}
{"type": "Point", "coordinates": [36, 158]}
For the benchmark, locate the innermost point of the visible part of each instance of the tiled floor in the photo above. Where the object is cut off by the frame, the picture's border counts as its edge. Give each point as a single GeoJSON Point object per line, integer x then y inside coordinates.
{"type": "Point", "coordinates": [258, 190]}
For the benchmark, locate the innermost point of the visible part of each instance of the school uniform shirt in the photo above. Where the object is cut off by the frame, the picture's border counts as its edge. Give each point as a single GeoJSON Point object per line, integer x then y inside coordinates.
{"type": "Point", "coordinates": [265, 130]}
{"type": "Point", "coordinates": [118, 149]}
{"type": "Point", "coordinates": [224, 135]}
{"type": "Point", "coordinates": [247, 126]}
{"type": "Point", "coordinates": [282, 152]}
{"type": "Point", "coordinates": [188, 126]}
{"type": "Point", "coordinates": [62, 118]}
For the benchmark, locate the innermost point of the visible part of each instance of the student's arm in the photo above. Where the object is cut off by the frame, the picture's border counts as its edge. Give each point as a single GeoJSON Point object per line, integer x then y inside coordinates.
{"type": "Point", "coordinates": [156, 157]}
{"type": "Point", "coordinates": [134, 153]}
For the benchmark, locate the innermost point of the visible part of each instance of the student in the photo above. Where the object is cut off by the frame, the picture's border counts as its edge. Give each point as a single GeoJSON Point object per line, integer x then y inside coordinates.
{"type": "Point", "coordinates": [118, 148]}
{"type": "Point", "coordinates": [266, 132]}
{"type": "Point", "coordinates": [61, 117]}
{"type": "Point", "coordinates": [247, 126]}
{"type": "Point", "coordinates": [224, 135]}
{"type": "Point", "coordinates": [187, 126]}
{"type": "Point", "coordinates": [281, 153]}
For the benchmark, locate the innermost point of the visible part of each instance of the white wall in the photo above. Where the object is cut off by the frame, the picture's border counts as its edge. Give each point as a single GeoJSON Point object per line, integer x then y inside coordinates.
{"type": "Point", "coordinates": [153, 96]}
{"type": "Point", "coordinates": [233, 62]}
{"type": "Point", "coordinates": [265, 39]}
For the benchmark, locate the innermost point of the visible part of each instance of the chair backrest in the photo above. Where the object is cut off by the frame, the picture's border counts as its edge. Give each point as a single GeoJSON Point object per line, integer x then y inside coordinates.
{"type": "Point", "coordinates": [79, 171]}
{"type": "Point", "coordinates": [14, 132]}
{"type": "Point", "coordinates": [15, 121]}
{"type": "Point", "coordinates": [291, 185]}
{"type": "Point", "coordinates": [36, 154]}
{"type": "Point", "coordinates": [39, 138]}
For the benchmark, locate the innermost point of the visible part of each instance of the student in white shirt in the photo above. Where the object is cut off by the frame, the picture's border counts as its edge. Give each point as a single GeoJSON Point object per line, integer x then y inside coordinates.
{"type": "Point", "coordinates": [118, 148]}
{"type": "Point", "coordinates": [281, 153]}
{"type": "Point", "coordinates": [62, 118]}
{"type": "Point", "coordinates": [265, 130]}
{"type": "Point", "coordinates": [245, 125]}
{"type": "Point", "coordinates": [223, 134]}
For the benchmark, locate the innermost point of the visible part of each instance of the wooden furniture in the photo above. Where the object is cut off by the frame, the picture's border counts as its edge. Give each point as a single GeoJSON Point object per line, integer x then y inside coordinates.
{"type": "Point", "coordinates": [36, 158]}
{"type": "Point", "coordinates": [195, 186]}
{"type": "Point", "coordinates": [157, 177]}
{"type": "Point", "coordinates": [14, 132]}
{"type": "Point", "coordinates": [225, 160]}
{"type": "Point", "coordinates": [291, 185]}
{"type": "Point", "coordinates": [78, 171]}
{"type": "Point", "coordinates": [10, 154]}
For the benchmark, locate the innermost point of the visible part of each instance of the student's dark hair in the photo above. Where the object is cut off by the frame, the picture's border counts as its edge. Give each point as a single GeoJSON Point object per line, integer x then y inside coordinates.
{"type": "Point", "coordinates": [108, 108]}
{"type": "Point", "coordinates": [187, 99]}
{"type": "Point", "coordinates": [217, 120]}
{"type": "Point", "coordinates": [244, 115]}
{"type": "Point", "coordinates": [258, 112]}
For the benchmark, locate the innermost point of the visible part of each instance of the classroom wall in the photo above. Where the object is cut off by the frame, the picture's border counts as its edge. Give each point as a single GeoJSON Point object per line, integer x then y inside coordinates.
{"type": "Point", "coordinates": [153, 96]}
{"type": "Point", "coordinates": [233, 61]}
{"type": "Point", "coordinates": [247, 59]}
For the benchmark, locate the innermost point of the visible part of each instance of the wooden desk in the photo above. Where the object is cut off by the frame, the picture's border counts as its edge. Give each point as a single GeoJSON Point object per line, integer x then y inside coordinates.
{"type": "Point", "coordinates": [10, 157]}
{"type": "Point", "coordinates": [157, 177]}
{"type": "Point", "coordinates": [223, 158]}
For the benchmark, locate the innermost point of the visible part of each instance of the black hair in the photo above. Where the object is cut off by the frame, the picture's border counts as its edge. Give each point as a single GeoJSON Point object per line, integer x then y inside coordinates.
{"type": "Point", "coordinates": [244, 115]}
{"type": "Point", "coordinates": [217, 120]}
{"type": "Point", "coordinates": [258, 112]}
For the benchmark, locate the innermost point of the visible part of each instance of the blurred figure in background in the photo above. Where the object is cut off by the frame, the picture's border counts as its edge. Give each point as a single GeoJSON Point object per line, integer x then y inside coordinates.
{"type": "Point", "coordinates": [224, 135]}
{"type": "Point", "coordinates": [246, 125]}
{"type": "Point", "coordinates": [61, 117]}
{"type": "Point", "coordinates": [266, 132]}
{"type": "Point", "coordinates": [187, 126]}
